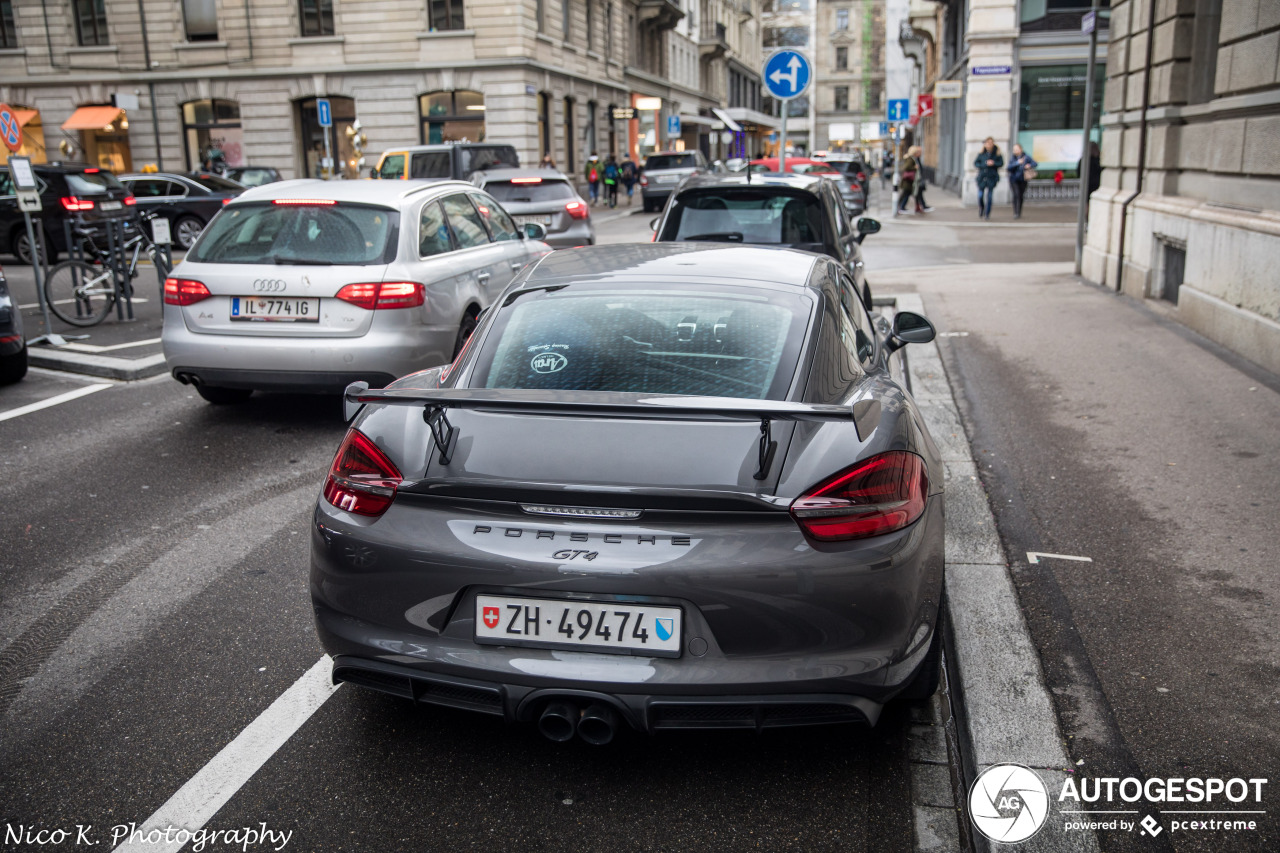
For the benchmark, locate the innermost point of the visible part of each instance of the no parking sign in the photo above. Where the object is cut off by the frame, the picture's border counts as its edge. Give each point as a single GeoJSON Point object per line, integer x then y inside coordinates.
{"type": "Point", "coordinates": [10, 128]}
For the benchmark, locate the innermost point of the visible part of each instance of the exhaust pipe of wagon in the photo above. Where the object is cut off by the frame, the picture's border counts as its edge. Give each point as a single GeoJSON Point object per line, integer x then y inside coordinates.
{"type": "Point", "coordinates": [598, 724]}
{"type": "Point", "coordinates": [559, 721]}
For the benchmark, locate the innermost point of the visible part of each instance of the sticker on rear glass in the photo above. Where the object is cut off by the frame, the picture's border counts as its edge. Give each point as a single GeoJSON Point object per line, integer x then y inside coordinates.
{"type": "Point", "coordinates": [548, 362]}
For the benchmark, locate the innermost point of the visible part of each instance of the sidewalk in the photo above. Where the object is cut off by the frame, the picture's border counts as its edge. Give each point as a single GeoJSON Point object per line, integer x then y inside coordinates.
{"type": "Point", "coordinates": [948, 210]}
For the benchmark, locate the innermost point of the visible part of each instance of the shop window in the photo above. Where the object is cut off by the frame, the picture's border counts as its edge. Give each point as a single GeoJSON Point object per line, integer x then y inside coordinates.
{"type": "Point", "coordinates": [91, 22]}
{"type": "Point", "coordinates": [842, 59]}
{"type": "Point", "coordinates": [201, 19]}
{"type": "Point", "coordinates": [1052, 97]}
{"type": "Point", "coordinates": [445, 15]}
{"type": "Point", "coordinates": [8, 35]}
{"type": "Point", "coordinates": [212, 134]}
{"type": "Point", "coordinates": [316, 16]}
{"type": "Point", "coordinates": [342, 155]}
{"type": "Point", "coordinates": [451, 116]}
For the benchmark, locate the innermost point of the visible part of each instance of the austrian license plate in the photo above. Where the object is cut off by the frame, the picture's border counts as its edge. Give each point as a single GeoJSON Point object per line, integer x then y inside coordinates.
{"type": "Point", "coordinates": [108, 205]}
{"type": "Point", "coordinates": [601, 626]}
{"type": "Point", "coordinates": [668, 179]}
{"type": "Point", "coordinates": [534, 220]}
{"type": "Point", "coordinates": [275, 310]}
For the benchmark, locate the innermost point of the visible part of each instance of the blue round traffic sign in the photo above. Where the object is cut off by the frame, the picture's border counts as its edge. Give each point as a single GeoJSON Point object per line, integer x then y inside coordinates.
{"type": "Point", "coordinates": [787, 74]}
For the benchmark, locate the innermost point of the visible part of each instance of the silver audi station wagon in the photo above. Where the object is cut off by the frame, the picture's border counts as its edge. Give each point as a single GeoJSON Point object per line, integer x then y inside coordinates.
{"type": "Point", "coordinates": [664, 485]}
{"type": "Point", "coordinates": [310, 285]}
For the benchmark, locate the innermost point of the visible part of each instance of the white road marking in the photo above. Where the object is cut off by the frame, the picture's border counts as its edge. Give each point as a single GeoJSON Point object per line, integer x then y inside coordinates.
{"type": "Point", "coordinates": [95, 348]}
{"type": "Point", "coordinates": [53, 401]}
{"type": "Point", "coordinates": [218, 781]}
{"type": "Point", "coordinates": [1034, 557]}
{"type": "Point", "coordinates": [30, 305]}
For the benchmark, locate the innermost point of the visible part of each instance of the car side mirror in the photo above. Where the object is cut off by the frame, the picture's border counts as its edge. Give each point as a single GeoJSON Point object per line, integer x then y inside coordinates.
{"type": "Point", "coordinates": [535, 231]}
{"type": "Point", "coordinates": [866, 297]}
{"type": "Point", "coordinates": [909, 328]}
{"type": "Point", "coordinates": [653, 223]}
{"type": "Point", "coordinates": [867, 225]}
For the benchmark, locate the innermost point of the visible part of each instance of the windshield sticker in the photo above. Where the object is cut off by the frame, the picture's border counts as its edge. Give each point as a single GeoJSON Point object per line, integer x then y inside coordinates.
{"type": "Point", "coordinates": [548, 362]}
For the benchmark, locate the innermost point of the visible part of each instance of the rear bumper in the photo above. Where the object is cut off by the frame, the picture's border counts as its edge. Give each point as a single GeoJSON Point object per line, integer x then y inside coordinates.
{"type": "Point", "coordinates": [645, 712]}
{"type": "Point", "coordinates": [581, 233]}
{"type": "Point", "coordinates": [293, 382]}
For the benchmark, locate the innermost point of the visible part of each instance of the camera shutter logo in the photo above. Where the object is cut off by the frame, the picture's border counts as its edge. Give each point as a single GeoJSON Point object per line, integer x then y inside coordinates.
{"type": "Point", "coordinates": [1008, 803]}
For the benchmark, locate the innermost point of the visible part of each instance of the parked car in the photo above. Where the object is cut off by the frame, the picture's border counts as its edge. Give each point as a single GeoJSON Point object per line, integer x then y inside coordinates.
{"type": "Point", "coordinates": [308, 285]}
{"type": "Point", "coordinates": [187, 201]}
{"type": "Point", "coordinates": [663, 172]}
{"type": "Point", "coordinates": [793, 211]}
{"type": "Point", "coordinates": [546, 197]}
{"type": "Point", "coordinates": [853, 193]}
{"type": "Point", "coordinates": [77, 191]}
{"type": "Point", "coordinates": [457, 160]}
{"type": "Point", "coordinates": [253, 176]}
{"type": "Point", "coordinates": [766, 551]}
{"type": "Point", "coordinates": [13, 346]}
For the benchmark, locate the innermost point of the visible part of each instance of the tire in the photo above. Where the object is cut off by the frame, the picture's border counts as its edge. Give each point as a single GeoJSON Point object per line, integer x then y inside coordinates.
{"type": "Point", "coordinates": [65, 286]}
{"type": "Point", "coordinates": [464, 331]}
{"type": "Point", "coordinates": [20, 248]}
{"type": "Point", "coordinates": [13, 367]}
{"type": "Point", "coordinates": [223, 396]}
{"type": "Point", "coordinates": [929, 676]}
{"type": "Point", "coordinates": [648, 206]}
{"type": "Point", "coordinates": [185, 231]}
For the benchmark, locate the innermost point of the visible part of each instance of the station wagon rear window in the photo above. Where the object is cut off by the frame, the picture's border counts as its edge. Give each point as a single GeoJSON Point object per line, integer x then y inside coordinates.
{"type": "Point", "coordinates": [684, 338]}
{"type": "Point", "coordinates": [301, 234]}
{"type": "Point", "coordinates": [671, 161]}
{"type": "Point", "coordinates": [530, 191]}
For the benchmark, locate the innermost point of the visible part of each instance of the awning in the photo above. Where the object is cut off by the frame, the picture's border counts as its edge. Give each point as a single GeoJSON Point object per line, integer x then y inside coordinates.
{"type": "Point", "coordinates": [755, 117]}
{"type": "Point", "coordinates": [91, 118]}
{"type": "Point", "coordinates": [727, 119]}
{"type": "Point", "coordinates": [24, 116]}
{"type": "Point", "coordinates": [702, 120]}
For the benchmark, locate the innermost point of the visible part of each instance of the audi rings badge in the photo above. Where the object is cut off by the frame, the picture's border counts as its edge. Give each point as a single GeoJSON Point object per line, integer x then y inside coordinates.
{"type": "Point", "coordinates": [269, 285]}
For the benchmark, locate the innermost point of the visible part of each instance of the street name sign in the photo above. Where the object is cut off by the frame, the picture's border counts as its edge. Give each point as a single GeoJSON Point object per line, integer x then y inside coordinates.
{"type": "Point", "coordinates": [948, 89]}
{"type": "Point", "coordinates": [990, 70]}
{"type": "Point", "coordinates": [787, 74]}
{"type": "Point", "coordinates": [1088, 22]}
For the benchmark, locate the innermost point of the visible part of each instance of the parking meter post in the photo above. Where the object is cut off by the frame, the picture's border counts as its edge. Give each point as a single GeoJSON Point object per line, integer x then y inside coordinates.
{"type": "Point", "coordinates": [37, 250]}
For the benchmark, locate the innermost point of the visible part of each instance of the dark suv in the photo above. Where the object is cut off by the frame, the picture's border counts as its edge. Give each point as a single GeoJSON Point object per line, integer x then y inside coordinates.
{"type": "Point", "coordinates": [67, 190]}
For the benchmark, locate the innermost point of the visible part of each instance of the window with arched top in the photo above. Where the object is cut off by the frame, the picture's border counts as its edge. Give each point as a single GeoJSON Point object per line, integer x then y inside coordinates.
{"type": "Point", "coordinates": [456, 116]}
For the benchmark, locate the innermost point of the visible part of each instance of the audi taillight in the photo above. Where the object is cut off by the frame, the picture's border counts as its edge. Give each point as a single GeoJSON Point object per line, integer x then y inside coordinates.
{"type": "Point", "coordinates": [376, 295]}
{"type": "Point", "coordinates": [577, 210]}
{"type": "Point", "coordinates": [879, 495]}
{"type": "Point", "coordinates": [183, 291]}
{"type": "Point", "coordinates": [74, 204]}
{"type": "Point", "coordinates": [361, 479]}
{"type": "Point", "coordinates": [130, 201]}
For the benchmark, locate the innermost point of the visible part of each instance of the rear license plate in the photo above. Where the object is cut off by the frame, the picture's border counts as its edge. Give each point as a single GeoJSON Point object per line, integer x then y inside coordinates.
{"type": "Point", "coordinates": [274, 310]}
{"type": "Point", "coordinates": [533, 220]}
{"type": "Point", "coordinates": [596, 625]}
{"type": "Point", "coordinates": [668, 179]}
{"type": "Point", "coordinates": [108, 205]}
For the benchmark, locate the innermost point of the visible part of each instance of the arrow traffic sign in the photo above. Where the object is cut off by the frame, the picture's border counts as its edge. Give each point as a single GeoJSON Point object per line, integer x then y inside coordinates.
{"type": "Point", "coordinates": [323, 113]}
{"type": "Point", "coordinates": [787, 74]}
{"type": "Point", "coordinates": [898, 108]}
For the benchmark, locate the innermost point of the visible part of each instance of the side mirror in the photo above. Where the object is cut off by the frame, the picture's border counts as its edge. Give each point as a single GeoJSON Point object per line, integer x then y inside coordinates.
{"type": "Point", "coordinates": [909, 328]}
{"type": "Point", "coordinates": [866, 225]}
{"type": "Point", "coordinates": [866, 297]}
{"type": "Point", "coordinates": [535, 231]}
{"type": "Point", "coordinates": [653, 223]}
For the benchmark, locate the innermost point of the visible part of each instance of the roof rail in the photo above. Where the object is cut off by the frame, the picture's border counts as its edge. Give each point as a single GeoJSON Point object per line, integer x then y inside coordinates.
{"type": "Point", "coordinates": [429, 184]}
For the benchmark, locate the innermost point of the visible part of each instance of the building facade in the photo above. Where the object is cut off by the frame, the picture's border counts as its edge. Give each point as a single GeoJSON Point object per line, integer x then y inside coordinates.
{"type": "Point", "coordinates": [1188, 214]}
{"type": "Point", "coordinates": [559, 77]}
{"type": "Point", "coordinates": [791, 24]}
{"type": "Point", "coordinates": [849, 66]}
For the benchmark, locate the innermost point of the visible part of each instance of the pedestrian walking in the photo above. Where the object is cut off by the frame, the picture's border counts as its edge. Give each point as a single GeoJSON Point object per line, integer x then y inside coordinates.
{"type": "Point", "coordinates": [1094, 178]}
{"type": "Point", "coordinates": [612, 175]}
{"type": "Point", "coordinates": [591, 171]}
{"type": "Point", "coordinates": [886, 169]}
{"type": "Point", "coordinates": [988, 163]}
{"type": "Point", "coordinates": [907, 181]}
{"type": "Point", "coordinates": [630, 174]}
{"type": "Point", "coordinates": [548, 162]}
{"type": "Point", "coordinates": [1021, 169]}
{"type": "Point", "coordinates": [921, 205]}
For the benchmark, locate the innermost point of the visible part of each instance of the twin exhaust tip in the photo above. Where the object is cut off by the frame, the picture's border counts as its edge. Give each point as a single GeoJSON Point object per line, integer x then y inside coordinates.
{"type": "Point", "coordinates": [562, 719]}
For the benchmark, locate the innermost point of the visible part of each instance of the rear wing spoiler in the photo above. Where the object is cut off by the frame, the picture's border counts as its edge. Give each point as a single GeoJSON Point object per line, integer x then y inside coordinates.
{"type": "Point", "coordinates": [600, 404]}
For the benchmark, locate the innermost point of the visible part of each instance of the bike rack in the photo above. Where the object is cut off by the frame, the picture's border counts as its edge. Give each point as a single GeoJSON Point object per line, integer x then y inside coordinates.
{"type": "Point", "coordinates": [117, 260]}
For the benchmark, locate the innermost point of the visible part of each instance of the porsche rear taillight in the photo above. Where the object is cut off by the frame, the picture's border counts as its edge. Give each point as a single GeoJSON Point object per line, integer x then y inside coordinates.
{"type": "Point", "coordinates": [879, 495]}
{"type": "Point", "coordinates": [379, 295]}
{"type": "Point", "coordinates": [362, 480]}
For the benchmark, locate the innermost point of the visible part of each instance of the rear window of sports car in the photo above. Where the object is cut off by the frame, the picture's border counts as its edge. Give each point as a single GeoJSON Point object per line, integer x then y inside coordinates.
{"type": "Point", "coordinates": [339, 234]}
{"type": "Point", "coordinates": [679, 338]}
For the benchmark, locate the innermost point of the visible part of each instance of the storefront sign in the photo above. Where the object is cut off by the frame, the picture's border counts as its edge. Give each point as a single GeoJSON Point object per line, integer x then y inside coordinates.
{"type": "Point", "coordinates": [623, 113]}
{"type": "Point", "coordinates": [648, 103]}
{"type": "Point", "coordinates": [924, 106]}
{"type": "Point", "coordinates": [948, 89]}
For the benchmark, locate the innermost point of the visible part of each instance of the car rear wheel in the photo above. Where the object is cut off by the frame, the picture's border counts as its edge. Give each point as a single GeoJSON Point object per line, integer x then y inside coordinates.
{"type": "Point", "coordinates": [13, 367]}
{"type": "Point", "coordinates": [223, 396]}
{"type": "Point", "coordinates": [21, 249]}
{"type": "Point", "coordinates": [464, 331]}
{"type": "Point", "coordinates": [186, 230]}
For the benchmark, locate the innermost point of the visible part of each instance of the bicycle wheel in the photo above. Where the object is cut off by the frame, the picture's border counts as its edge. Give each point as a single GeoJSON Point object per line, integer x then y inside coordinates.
{"type": "Point", "coordinates": [79, 293]}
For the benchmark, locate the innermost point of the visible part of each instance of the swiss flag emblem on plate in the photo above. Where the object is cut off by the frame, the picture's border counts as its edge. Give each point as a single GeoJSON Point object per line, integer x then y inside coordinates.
{"type": "Point", "coordinates": [491, 617]}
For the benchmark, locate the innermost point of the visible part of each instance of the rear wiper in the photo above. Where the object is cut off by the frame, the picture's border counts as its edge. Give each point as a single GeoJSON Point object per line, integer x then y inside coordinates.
{"type": "Point", "coordinates": [298, 262]}
{"type": "Point", "coordinates": [728, 236]}
{"type": "Point", "coordinates": [522, 198]}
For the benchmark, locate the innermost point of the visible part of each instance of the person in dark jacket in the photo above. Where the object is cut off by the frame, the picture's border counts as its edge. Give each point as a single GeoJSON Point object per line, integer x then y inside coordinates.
{"type": "Point", "coordinates": [907, 181]}
{"type": "Point", "coordinates": [1020, 163]}
{"type": "Point", "coordinates": [988, 163]}
{"type": "Point", "coordinates": [1094, 179]}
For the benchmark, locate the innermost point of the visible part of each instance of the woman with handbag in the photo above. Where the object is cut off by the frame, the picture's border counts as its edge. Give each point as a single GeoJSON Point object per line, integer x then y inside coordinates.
{"type": "Point", "coordinates": [907, 181]}
{"type": "Point", "coordinates": [1021, 169]}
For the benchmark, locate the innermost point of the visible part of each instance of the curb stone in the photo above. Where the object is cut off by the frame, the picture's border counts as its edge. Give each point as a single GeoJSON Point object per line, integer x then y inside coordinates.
{"type": "Point", "coordinates": [98, 365]}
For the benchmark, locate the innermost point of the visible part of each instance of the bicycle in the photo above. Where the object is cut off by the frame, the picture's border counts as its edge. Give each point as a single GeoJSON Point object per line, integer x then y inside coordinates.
{"type": "Point", "coordinates": [82, 293]}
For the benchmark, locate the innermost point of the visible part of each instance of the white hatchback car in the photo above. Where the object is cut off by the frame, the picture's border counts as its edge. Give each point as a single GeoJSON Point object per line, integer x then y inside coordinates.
{"type": "Point", "coordinates": [310, 285]}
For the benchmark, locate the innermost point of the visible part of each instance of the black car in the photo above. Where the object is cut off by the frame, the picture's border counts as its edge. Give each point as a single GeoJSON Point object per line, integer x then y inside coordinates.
{"type": "Point", "coordinates": [187, 201]}
{"type": "Point", "coordinates": [67, 190]}
{"type": "Point", "coordinates": [253, 176]}
{"type": "Point", "coordinates": [13, 346]}
{"type": "Point", "coordinates": [771, 209]}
